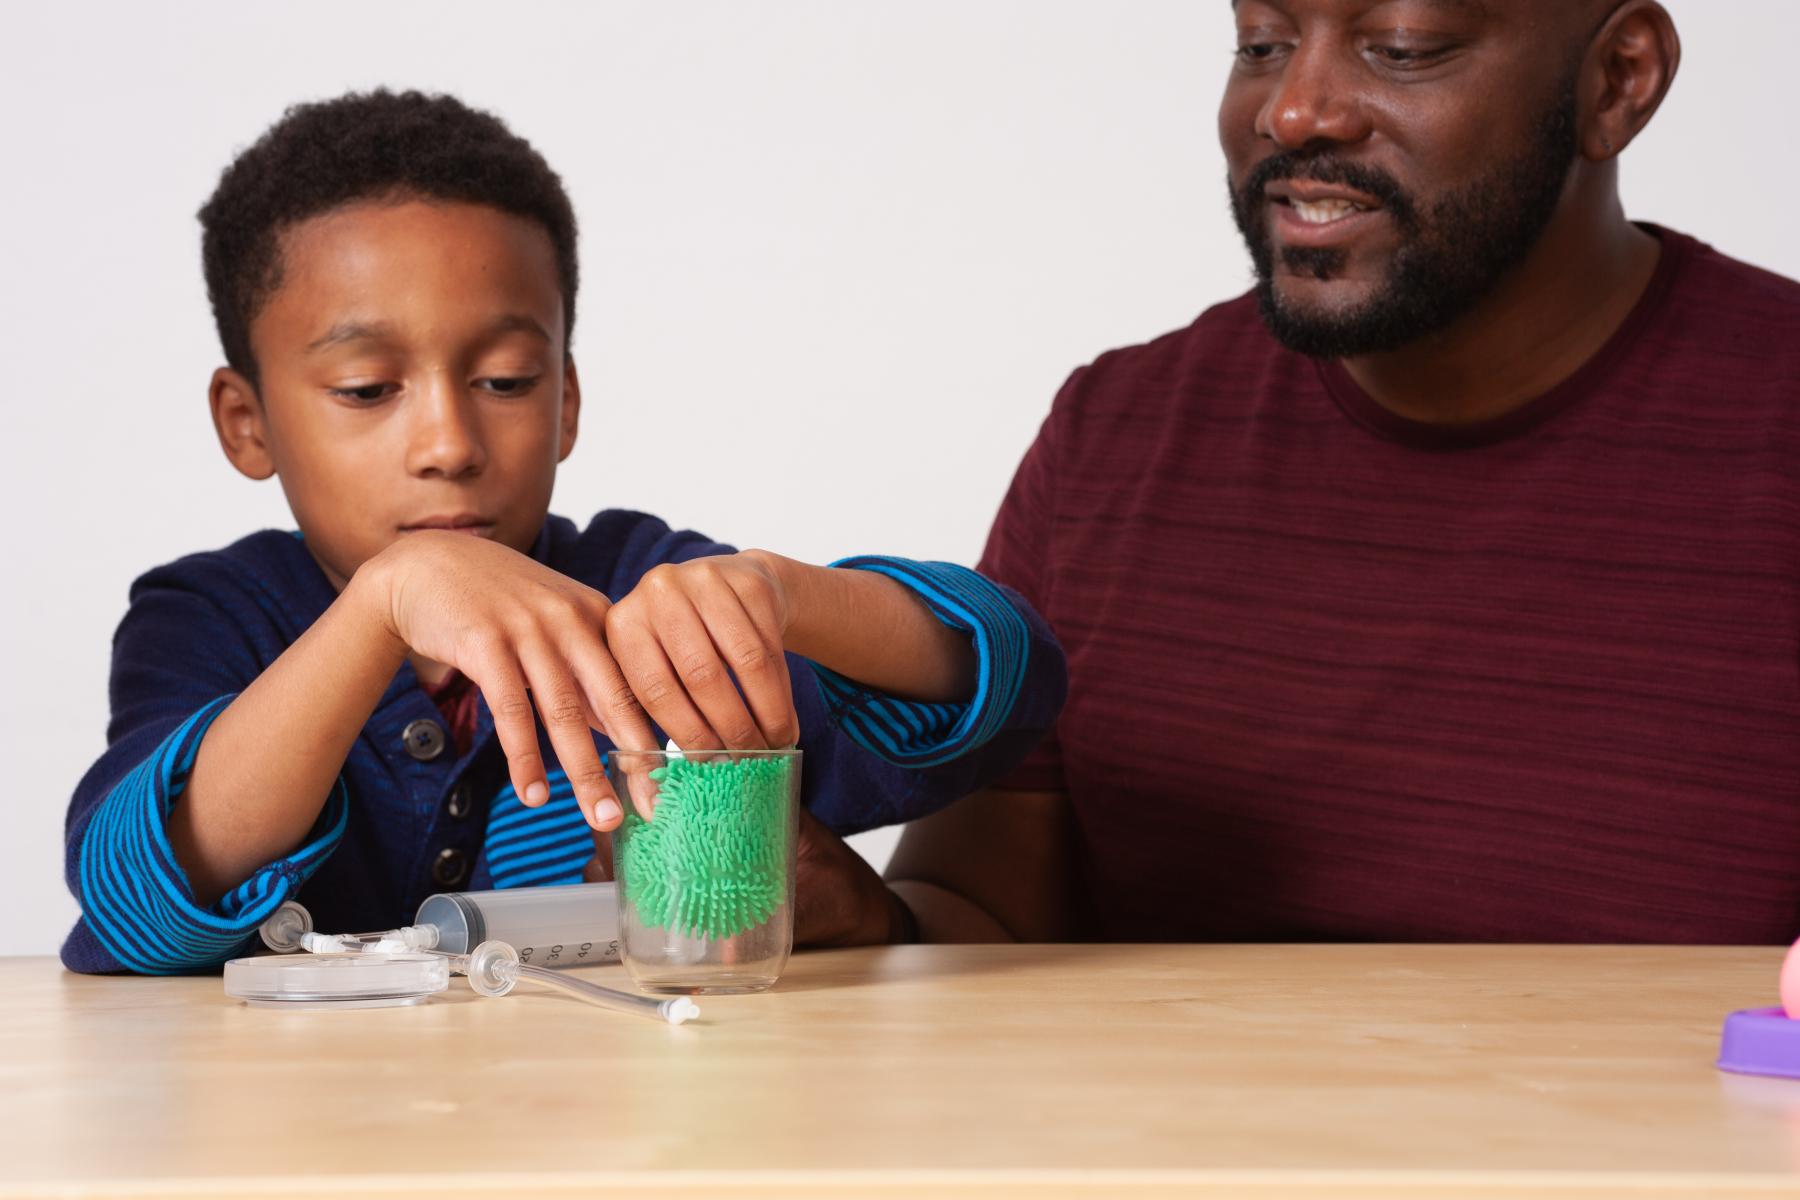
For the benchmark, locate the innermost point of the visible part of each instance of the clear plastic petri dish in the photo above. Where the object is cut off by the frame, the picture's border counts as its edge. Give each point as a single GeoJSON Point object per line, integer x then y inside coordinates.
{"type": "Point", "coordinates": [336, 980]}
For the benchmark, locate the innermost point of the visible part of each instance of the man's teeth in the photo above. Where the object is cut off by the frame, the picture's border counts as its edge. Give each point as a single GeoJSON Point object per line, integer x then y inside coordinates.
{"type": "Point", "coordinates": [1323, 212]}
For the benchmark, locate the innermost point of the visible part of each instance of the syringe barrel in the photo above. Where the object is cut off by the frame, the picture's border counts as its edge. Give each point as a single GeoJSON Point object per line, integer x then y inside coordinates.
{"type": "Point", "coordinates": [570, 926]}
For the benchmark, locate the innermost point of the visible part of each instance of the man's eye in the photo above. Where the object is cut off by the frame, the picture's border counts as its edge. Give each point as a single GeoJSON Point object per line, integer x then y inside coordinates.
{"type": "Point", "coordinates": [1257, 52]}
{"type": "Point", "coordinates": [1406, 56]}
{"type": "Point", "coordinates": [509, 385]}
{"type": "Point", "coordinates": [366, 393]}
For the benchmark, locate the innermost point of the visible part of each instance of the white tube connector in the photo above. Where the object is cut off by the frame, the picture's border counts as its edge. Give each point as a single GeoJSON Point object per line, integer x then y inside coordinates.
{"type": "Point", "coordinates": [286, 926]}
{"type": "Point", "coordinates": [408, 940]}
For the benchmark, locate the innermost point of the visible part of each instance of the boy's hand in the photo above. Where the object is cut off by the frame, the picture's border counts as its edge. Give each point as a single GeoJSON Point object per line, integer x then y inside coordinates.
{"type": "Point", "coordinates": [522, 633]}
{"type": "Point", "coordinates": [688, 629]}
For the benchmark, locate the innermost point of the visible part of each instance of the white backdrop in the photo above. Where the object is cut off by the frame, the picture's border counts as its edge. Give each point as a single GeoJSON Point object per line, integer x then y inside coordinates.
{"type": "Point", "coordinates": [837, 258]}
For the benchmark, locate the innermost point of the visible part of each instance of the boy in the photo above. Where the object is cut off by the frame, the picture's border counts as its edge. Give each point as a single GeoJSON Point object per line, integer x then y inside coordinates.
{"type": "Point", "coordinates": [348, 712]}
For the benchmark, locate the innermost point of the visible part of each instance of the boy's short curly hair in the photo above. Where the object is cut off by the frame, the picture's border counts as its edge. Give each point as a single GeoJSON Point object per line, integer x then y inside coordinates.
{"type": "Point", "coordinates": [365, 145]}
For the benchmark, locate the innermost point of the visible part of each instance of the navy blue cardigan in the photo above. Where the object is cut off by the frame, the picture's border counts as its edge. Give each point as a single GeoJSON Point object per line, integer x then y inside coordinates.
{"type": "Point", "coordinates": [404, 822]}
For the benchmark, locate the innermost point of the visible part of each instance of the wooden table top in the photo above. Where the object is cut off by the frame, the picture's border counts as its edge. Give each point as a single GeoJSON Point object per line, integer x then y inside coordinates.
{"type": "Point", "coordinates": [1258, 1071]}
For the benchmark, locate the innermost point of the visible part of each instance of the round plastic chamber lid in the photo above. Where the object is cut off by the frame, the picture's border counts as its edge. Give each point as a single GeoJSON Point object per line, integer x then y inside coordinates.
{"type": "Point", "coordinates": [336, 980]}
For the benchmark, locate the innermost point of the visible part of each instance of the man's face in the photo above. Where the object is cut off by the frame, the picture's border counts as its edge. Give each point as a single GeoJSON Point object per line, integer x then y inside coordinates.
{"type": "Point", "coordinates": [412, 376]}
{"type": "Point", "coordinates": [1390, 160]}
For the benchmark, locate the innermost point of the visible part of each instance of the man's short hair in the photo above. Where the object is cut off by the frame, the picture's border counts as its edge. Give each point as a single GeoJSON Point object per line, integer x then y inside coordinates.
{"type": "Point", "coordinates": [365, 146]}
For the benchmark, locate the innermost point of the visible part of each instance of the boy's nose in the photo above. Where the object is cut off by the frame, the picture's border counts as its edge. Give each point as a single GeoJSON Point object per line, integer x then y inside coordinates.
{"type": "Point", "coordinates": [445, 437]}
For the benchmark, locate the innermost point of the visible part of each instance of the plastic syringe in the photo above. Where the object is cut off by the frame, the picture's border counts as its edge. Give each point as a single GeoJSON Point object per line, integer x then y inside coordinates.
{"type": "Point", "coordinates": [565, 926]}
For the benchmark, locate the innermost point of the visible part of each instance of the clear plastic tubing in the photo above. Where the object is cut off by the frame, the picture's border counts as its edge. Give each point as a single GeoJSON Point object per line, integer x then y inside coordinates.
{"type": "Point", "coordinates": [494, 969]}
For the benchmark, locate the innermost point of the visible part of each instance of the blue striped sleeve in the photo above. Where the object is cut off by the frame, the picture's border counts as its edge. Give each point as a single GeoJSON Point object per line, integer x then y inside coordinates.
{"type": "Point", "coordinates": [914, 734]}
{"type": "Point", "coordinates": [135, 898]}
{"type": "Point", "coordinates": [538, 847]}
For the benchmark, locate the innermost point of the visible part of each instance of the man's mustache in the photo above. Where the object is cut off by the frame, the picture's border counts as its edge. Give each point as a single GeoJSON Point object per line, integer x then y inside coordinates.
{"type": "Point", "coordinates": [1324, 168]}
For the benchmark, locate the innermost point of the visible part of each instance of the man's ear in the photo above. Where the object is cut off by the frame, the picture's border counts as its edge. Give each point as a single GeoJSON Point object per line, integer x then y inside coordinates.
{"type": "Point", "coordinates": [571, 409]}
{"type": "Point", "coordinates": [1631, 65]}
{"type": "Point", "coordinates": [242, 428]}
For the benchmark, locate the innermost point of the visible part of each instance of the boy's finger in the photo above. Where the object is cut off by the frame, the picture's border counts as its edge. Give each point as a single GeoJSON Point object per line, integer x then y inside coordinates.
{"type": "Point", "coordinates": [564, 711]}
{"type": "Point", "coordinates": [615, 711]}
{"type": "Point", "coordinates": [503, 687]}
{"type": "Point", "coordinates": [756, 659]}
{"type": "Point", "coordinates": [658, 688]}
{"type": "Point", "coordinates": [687, 640]}
{"type": "Point", "coordinates": [754, 596]}
{"type": "Point", "coordinates": [634, 769]}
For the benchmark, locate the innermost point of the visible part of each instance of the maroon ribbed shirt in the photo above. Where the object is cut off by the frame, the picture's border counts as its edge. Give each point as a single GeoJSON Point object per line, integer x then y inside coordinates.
{"type": "Point", "coordinates": [1340, 675]}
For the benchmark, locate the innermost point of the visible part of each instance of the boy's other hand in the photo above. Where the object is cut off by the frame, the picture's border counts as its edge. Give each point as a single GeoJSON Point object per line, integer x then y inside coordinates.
{"type": "Point", "coordinates": [522, 633]}
{"type": "Point", "coordinates": [688, 630]}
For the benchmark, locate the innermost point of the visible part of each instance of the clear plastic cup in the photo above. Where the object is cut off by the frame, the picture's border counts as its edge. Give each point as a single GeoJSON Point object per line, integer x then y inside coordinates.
{"type": "Point", "coordinates": [706, 885]}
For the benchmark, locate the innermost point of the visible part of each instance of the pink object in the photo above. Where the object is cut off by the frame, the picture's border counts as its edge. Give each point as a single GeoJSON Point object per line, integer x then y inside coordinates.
{"type": "Point", "coordinates": [1790, 981]}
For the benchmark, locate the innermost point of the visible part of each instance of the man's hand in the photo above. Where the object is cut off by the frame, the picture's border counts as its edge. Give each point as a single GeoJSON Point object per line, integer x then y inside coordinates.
{"type": "Point", "coordinates": [839, 900]}
{"type": "Point", "coordinates": [523, 634]}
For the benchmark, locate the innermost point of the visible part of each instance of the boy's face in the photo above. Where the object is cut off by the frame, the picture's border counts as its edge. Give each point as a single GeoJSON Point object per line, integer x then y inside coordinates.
{"type": "Point", "coordinates": [414, 376]}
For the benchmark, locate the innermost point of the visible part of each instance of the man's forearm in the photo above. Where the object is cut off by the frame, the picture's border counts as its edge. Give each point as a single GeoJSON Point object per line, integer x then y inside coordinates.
{"type": "Point", "coordinates": [267, 764]}
{"type": "Point", "coordinates": [996, 866]}
{"type": "Point", "coordinates": [942, 915]}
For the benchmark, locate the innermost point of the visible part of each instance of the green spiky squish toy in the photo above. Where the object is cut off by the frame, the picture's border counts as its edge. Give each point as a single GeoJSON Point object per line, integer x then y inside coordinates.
{"type": "Point", "coordinates": [713, 860]}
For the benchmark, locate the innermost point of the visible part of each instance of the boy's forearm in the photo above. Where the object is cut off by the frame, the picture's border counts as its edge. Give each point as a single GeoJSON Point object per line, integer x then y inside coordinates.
{"type": "Point", "coordinates": [268, 763]}
{"type": "Point", "coordinates": [874, 630]}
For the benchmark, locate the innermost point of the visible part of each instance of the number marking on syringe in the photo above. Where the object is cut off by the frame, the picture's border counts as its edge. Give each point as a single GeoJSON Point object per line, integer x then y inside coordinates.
{"type": "Point", "coordinates": [554, 956]}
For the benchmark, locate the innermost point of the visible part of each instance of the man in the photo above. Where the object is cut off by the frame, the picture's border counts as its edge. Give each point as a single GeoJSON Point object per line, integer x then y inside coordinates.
{"type": "Point", "coordinates": [1446, 587]}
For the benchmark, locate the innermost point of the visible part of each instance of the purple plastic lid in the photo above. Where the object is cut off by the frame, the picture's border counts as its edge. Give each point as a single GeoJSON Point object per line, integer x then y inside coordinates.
{"type": "Point", "coordinates": [1761, 1041]}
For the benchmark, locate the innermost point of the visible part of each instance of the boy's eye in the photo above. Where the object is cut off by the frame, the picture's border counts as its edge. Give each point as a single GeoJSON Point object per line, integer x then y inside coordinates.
{"type": "Point", "coordinates": [366, 393]}
{"type": "Point", "coordinates": [508, 385]}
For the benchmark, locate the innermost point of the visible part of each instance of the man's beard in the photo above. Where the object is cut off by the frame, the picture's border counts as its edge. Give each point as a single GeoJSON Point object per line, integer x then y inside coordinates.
{"type": "Point", "coordinates": [1452, 253]}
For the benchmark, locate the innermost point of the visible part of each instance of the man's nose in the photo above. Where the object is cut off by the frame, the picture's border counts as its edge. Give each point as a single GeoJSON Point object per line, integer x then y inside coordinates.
{"type": "Point", "coordinates": [1315, 103]}
{"type": "Point", "coordinates": [445, 433]}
